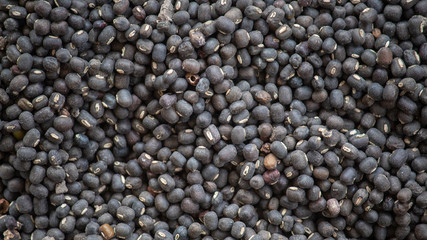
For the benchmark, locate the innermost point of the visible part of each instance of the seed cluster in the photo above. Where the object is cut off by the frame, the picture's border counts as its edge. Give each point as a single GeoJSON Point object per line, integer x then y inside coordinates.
{"type": "Point", "coordinates": [227, 119]}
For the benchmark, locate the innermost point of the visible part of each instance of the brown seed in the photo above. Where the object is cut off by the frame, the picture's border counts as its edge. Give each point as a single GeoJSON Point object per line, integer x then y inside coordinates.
{"type": "Point", "coordinates": [271, 176]}
{"type": "Point", "coordinates": [24, 104]}
{"type": "Point", "coordinates": [376, 32]}
{"type": "Point", "coordinates": [64, 112]}
{"type": "Point", "coordinates": [150, 190]}
{"type": "Point", "coordinates": [106, 231]}
{"type": "Point", "coordinates": [304, 3]}
{"type": "Point", "coordinates": [15, 70]}
{"type": "Point", "coordinates": [266, 148]}
{"type": "Point", "coordinates": [19, 135]}
{"type": "Point", "coordinates": [384, 56]}
{"type": "Point", "coordinates": [333, 207]}
{"type": "Point", "coordinates": [263, 97]}
{"type": "Point", "coordinates": [270, 161]}
{"type": "Point", "coordinates": [192, 79]}
{"type": "Point", "coordinates": [4, 206]}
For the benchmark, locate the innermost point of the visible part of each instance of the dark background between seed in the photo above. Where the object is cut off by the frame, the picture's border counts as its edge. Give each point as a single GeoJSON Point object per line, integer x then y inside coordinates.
{"type": "Point", "coordinates": [228, 119]}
